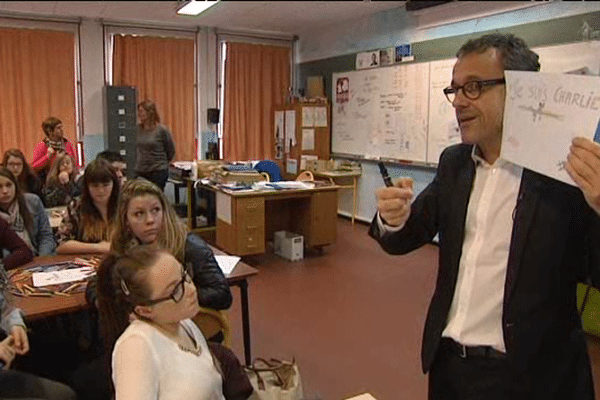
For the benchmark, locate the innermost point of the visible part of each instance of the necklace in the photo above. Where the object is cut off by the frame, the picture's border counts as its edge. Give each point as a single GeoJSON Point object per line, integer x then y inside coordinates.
{"type": "Point", "coordinates": [196, 350]}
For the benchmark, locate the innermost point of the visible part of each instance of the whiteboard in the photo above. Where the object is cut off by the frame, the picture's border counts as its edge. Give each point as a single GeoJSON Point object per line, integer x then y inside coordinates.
{"type": "Point", "coordinates": [381, 113]}
{"type": "Point", "coordinates": [443, 127]}
{"type": "Point", "coordinates": [401, 113]}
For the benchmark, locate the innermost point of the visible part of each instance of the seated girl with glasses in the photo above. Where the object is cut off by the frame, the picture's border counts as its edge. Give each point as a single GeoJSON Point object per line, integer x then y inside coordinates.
{"type": "Point", "coordinates": [90, 218]}
{"type": "Point", "coordinates": [14, 161]}
{"type": "Point", "coordinates": [26, 215]}
{"type": "Point", "coordinates": [146, 301]}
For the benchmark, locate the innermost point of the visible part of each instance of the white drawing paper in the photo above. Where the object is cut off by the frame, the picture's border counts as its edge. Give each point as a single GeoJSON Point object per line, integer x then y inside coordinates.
{"type": "Point", "coordinates": [543, 113]}
{"type": "Point", "coordinates": [63, 276]}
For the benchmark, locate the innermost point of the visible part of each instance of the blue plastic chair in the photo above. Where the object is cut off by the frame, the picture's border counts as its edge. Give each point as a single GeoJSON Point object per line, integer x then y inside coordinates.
{"type": "Point", "coordinates": [271, 168]}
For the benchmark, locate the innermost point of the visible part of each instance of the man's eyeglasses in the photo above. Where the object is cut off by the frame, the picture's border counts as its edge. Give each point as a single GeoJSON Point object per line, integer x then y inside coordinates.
{"type": "Point", "coordinates": [179, 290]}
{"type": "Point", "coordinates": [471, 89]}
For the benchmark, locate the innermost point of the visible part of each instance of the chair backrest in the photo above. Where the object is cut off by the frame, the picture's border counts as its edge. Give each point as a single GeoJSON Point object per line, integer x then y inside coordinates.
{"type": "Point", "coordinates": [269, 167]}
{"type": "Point", "coordinates": [305, 176]}
{"type": "Point", "coordinates": [211, 322]}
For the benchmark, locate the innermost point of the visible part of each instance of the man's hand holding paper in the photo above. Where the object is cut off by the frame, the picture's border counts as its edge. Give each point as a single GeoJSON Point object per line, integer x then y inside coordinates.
{"type": "Point", "coordinates": [583, 166]}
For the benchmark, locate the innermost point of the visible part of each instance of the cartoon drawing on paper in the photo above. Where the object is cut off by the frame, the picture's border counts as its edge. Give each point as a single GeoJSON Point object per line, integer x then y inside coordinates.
{"type": "Point", "coordinates": [539, 112]}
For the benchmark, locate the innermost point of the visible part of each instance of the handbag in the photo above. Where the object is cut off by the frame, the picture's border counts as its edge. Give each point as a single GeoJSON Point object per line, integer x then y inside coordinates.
{"type": "Point", "coordinates": [275, 380]}
{"type": "Point", "coordinates": [588, 306]}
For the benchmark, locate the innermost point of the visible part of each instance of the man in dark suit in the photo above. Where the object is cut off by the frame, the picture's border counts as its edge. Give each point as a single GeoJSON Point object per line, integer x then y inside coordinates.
{"type": "Point", "coordinates": [503, 322]}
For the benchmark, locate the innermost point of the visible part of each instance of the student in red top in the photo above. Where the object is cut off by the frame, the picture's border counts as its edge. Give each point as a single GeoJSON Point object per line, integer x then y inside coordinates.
{"type": "Point", "coordinates": [54, 143]}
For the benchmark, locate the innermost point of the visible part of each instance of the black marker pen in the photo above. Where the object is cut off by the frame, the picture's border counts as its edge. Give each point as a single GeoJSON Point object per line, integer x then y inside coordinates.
{"type": "Point", "coordinates": [384, 174]}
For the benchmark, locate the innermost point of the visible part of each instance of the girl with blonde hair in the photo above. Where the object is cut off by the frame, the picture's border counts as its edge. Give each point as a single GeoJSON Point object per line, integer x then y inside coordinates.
{"type": "Point", "coordinates": [145, 216]}
{"type": "Point", "coordinates": [61, 187]}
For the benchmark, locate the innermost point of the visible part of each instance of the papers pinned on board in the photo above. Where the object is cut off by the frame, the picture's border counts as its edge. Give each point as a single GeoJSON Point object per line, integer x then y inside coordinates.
{"type": "Point", "coordinates": [65, 276]}
{"type": "Point", "coordinates": [542, 115]}
{"type": "Point", "coordinates": [227, 263]}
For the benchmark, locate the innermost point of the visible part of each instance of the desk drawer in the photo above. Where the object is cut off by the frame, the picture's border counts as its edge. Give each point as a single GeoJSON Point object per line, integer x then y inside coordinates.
{"type": "Point", "coordinates": [250, 212]}
{"type": "Point", "coordinates": [251, 240]}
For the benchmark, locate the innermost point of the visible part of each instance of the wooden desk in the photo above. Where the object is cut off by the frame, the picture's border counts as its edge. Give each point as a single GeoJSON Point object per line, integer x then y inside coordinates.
{"type": "Point", "coordinates": [41, 307]}
{"type": "Point", "coordinates": [247, 220]}
{"type": "Point", "coordinates": [336, 176]}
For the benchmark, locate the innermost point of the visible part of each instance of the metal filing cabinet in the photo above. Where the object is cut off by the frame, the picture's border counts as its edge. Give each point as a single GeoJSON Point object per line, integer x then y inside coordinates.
{"type": "Point", "coordinates": [121, 122]}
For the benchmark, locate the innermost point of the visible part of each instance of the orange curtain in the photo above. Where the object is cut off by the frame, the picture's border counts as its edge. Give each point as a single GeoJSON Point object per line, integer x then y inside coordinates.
{"type": "Point", "coordinates": [257, 78]}
{"type": "Point", "coordinates": [37, 70]}
{"type": "Point", "coordinates": [162, 69]}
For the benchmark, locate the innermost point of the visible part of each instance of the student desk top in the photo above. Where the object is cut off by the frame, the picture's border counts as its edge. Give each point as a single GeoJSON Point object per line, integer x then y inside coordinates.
{"type": "Point", "coordinates": [40, 307]}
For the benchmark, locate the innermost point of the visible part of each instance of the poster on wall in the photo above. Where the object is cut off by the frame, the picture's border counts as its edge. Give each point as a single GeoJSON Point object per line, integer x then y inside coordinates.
{"type": "Point", "coordinates": [386, 56]}
{"type": "Point", "coordinates": [404, 53]}
{"type": "Point", "coordinates": [369, 59]}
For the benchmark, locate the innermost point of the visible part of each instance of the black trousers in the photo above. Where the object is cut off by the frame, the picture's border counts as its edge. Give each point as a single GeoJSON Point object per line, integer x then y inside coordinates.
{"type": "Point", "coordinates": [476, 378]}
{"type": "Point", "coordinates": [159, 178]}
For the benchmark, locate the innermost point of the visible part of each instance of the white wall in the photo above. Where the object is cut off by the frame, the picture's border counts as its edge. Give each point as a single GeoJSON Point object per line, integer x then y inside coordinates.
{"type": "Point", "coordinates": [391, 28]}
{"type": "Point", "coordinates": [395, 27]}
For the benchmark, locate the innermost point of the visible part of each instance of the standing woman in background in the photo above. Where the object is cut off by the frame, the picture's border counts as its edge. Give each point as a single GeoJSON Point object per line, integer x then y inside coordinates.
{"type": "Point", "coordinates": [54, 143]}
{"type": "Point", "coordinates": [14, 161]}
{"type": "Point", "coordinates": [155, 148]}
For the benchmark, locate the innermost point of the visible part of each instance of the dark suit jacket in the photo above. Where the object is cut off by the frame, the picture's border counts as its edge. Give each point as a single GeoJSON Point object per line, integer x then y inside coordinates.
{"type": "Point", "coordinates": [554, 244]}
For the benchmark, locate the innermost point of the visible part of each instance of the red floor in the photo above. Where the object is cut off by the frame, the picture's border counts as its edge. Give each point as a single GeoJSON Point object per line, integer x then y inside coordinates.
{"type": "Point", "coordinates": [352, 317]}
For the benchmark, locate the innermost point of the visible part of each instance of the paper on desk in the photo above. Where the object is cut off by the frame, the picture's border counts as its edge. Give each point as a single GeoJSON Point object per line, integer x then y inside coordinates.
{"type": "Point", "coordinates": [227, 263]}
{"type": "Point", "coordinates": [64, 276]}
{"type": "Point", "coordinates": [543, 113]}
{"type": "Point", "coordinates": [364, 396]}
{"type": "Point", "coordinates": [282, 185]}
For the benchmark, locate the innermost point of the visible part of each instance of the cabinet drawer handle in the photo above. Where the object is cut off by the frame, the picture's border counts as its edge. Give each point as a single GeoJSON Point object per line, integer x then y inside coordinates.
{"type": "Point", "coordinates": [252, 227]}
{"type": "Point", "coordinates": [249, 246]}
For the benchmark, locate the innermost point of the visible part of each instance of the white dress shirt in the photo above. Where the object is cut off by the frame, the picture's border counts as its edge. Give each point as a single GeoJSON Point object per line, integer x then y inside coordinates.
{"type": "Point", "coordinates": [475, 317]}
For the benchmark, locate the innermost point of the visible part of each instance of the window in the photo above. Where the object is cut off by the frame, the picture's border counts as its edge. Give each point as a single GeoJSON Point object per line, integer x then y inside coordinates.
{"type": "Point", "coordinates": [262, 71]}
{"type": "Point", "coordinates": [40, 66]}
{"type": "Point", "coordinates": [161, 65]}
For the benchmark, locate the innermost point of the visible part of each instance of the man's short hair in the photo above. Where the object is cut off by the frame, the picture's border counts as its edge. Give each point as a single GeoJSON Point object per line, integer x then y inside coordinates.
{"type": "Point", "coordinates": [110, 156]}
{"type": "Point", "coordinates": [515, 53]}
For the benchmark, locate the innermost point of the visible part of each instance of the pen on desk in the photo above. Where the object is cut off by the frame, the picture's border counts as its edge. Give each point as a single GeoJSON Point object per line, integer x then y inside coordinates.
{"type": "Point", "coordinates": [384, 174]}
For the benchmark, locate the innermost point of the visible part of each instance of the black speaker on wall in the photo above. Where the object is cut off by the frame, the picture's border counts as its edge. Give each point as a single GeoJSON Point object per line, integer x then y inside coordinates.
{"type": "Point", "coordinates": [212, 115]}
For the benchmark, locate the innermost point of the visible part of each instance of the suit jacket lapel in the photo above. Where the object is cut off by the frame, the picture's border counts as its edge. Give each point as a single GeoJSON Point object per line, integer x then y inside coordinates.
{"type": "Point", "coordinates": [523, 218]}
{"type": "Point", "coordinates": [458, 211]}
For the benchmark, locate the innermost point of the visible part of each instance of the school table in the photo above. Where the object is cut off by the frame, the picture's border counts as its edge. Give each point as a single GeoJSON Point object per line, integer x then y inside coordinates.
{"type": "Point", "coordinates": [336, 176]}
{"type": "Point", "coordinates": [40, 307]}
